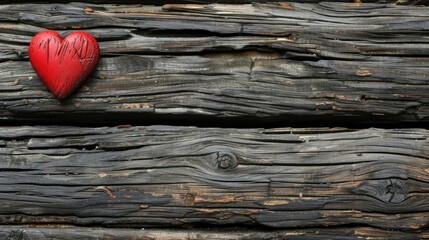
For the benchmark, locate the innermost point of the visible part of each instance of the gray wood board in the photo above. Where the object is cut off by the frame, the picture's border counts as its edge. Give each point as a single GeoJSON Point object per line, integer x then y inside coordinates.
{"type": "Point", "coordinates": [161, 2]}
{"type": "Point", "coordinates": [288, 62]}
{"type": "Point", "coordinates": [185, 176]}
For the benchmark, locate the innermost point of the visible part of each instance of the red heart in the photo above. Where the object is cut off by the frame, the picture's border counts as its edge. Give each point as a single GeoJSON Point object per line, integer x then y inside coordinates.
{"type": "Point", "coordinates": [63, 65]}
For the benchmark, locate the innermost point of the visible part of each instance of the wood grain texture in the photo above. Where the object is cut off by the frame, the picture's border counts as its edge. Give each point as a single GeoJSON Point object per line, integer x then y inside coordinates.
{"type": "Point", "coordinates": [72, 233]}
{"type": "Point", "coordinates": [185, 176]}
{"type": "Point", "coordinates": [333, 62]}
{"type": "Point", "coordinates": [161, 2]}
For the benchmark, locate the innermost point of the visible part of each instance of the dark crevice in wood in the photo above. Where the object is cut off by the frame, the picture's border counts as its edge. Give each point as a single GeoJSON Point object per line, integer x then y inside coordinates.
{"type": "Point", "coordinates": [3, 170]}
{"type": "Point", "coordinates": [85, 147]}
{"type": "Point", "coordinates": [238, 123]}
{"type": "Point", "coordinates": [213, 51]}
{"type": "Point", "coordinates": [170, 33]}
{"type": "Point", "coordinates": [303, 164]}
{"type": "Point", "coordinates": [64, 231]}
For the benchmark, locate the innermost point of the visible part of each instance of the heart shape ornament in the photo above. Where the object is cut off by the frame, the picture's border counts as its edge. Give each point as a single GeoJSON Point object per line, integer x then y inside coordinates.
{"type": "Point", "coordinates": [63, 65]}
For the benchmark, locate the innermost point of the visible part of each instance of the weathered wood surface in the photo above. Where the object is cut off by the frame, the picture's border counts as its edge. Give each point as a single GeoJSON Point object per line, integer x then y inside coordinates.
{"type": "Point", "coordinates": [289, 62]}
{"type": "Point", "coordinates": [73, 233]}
{"type": "Point", "coordinates": [161, 2]}
{"type": "Point", "coordinates": [186, 176]}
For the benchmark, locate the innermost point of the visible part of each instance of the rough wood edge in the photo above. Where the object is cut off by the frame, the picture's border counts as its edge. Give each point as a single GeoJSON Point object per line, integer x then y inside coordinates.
{"type": "Point", "coordinates": [65, 232]}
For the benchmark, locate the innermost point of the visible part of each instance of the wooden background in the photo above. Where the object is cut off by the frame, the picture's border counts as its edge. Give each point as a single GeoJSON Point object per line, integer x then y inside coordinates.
{"type": "Point", "coordinates": [252, 120]}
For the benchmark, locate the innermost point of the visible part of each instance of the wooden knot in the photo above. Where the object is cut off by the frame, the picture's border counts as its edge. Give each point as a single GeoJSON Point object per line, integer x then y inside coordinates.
{"type": "Point", "coordinates": [395, 191]}
{"type": "Point", "coordinates": [56, 8]}
{"type": "Point", "coordinates": [225, 160]}
{"type": "Point", "coordinates": [20, 55]}
{"type": "Point", "coordinates": [188, 199]}
{"type": "Point", "coordinates": [18, 234]}
{"type": "Point", "coordinates": [386, 190]}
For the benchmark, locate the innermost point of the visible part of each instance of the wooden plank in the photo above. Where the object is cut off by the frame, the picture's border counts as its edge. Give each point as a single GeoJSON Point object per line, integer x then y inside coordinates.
{"type": "Point", "coordinates": [185, 176]}
{"type": "Point", "coordinates": [363, 63]}
{"type": "Point", "coordinates": [141, 88]}
{"type": "Point", "coordinates": [72, 233]}
{"type": "Point", "coordinates": [160, 2]}
{"type": "Point", "coordinates": [261, 19]}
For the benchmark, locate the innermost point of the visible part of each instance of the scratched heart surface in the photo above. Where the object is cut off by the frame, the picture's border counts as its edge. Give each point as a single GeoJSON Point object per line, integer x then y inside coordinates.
{"type": "Point", "coordinates": [63, 65]}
